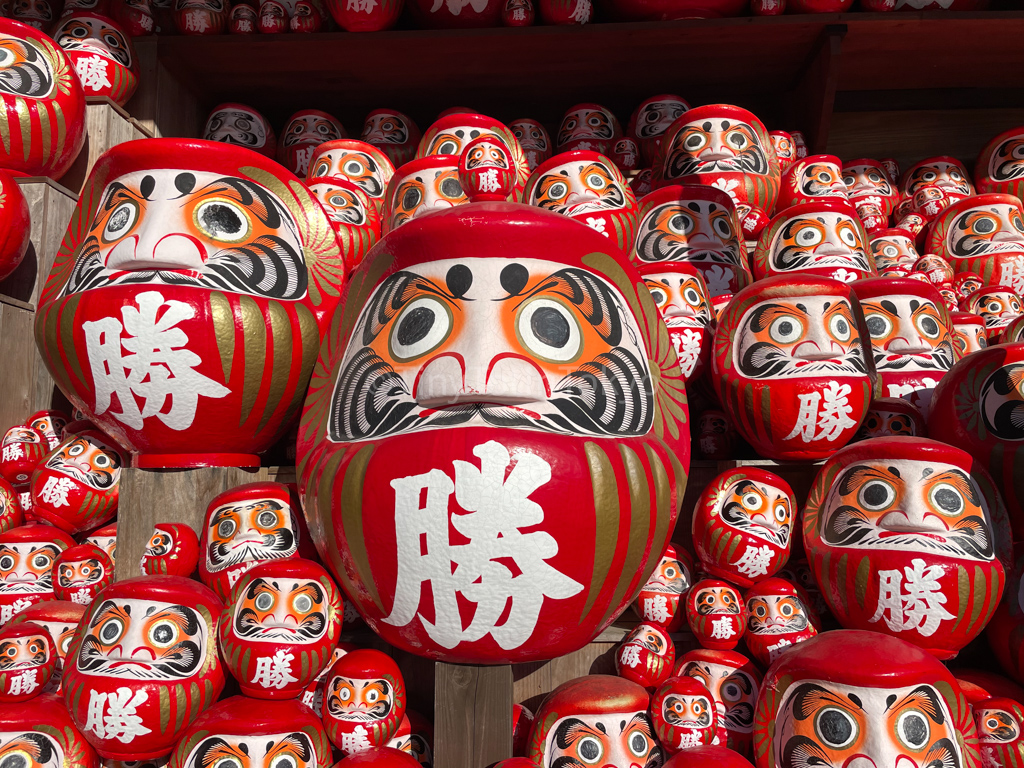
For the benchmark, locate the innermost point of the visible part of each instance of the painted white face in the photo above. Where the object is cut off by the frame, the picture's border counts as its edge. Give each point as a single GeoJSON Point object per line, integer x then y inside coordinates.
{"type": "Point", "coordinates": [29, 749]}
{"type": "Point", "coordinates": [77, 574]}
{"type": "Point", "coordinates": [908, 334]}
{"type": "Point", "coordinates": [274, 610]}
{"type": "Point", "coordinates": [236, 126]}
{"type": "Point", "coordinates": [89, 461]}
{"type": "Point", "coordinates": [818, 241]}
{"type": "Point", "coordinates": [272, 750]}
{"type": "Point", "coordinates": [107, 543]}
{"type": "Point", "coordinates": [451, 140]}
{"type": "Point", "coordinates": [649, 637]}
{"type": "Point", "coordinates": [490, 342]}
{"type": "Point", "coordinates": [996, 726]}
{"type": "Point", "coordinates": [691, 230]}
{"type": "Point", "coordinates": [941, 173]}
{"type": "Point", "coordinates": [587, 123]}
{"type": "Point", "coordinates": [249, 531]}
{"type": "Point", "coordinates": [1007, 162]}
{"type": "Point", "coordinates": [94, 36]}
{"type": "Point", "coordinates": [894, 250]}
{"type": "Point", "coordinates": [194, 228]}
{"type": "Point", "coordinates": [759, 509]}
{"type": "Point", "coordinates": [144, 640]}
{"type": "Point", "coordinates": [714, 145]}
{"type": "Point", "coordinates": [23, 652]}
{"type": "Point", "coordinates": [26, 567]}
{"type": "Point", "coordinates": [655, 117]}
{"type": "Point", "coordinates": [359, 700]}
{"type": "Point", "coordinates": [997, 308]}
{"type": "Point", "coordinates": [340, 204]}
{"type": "Point", "coordinates": [385, 129]}
{"type": "Point", "coordinates": [838, 726]}
{"type": "Point", "coordinates": [422, 192]}
{"type": "Point", "coordinates": [680, 298]}
{"type": "Point", "coordinates": [687, 711]}
{"type": "Point", "coordinates": [776, 615]}
{"type": "Point", "coordinates": [806, 337]}
{"type": "Point", "coordinates": [908, 506]}
{"type": "Point", "coordinates": [62, 633]}
{"type": "Point", "coordinates": [24, 70]}
{"type": "Point", "coordinates": [310, 129]}
{"type": "Point", "coordinates": [986, 230]}
{"type": "Point", "coordinates": [734, 692]}
{"type": "Point", "coordinates": [821, 180]}
{"type": "Point", "coordinates": [361, 168]}
{"type": "Point", "coordinates": [864, 180]}
{"type": "Point", "coordinates": [620, 739]}
{"type": "Point", "coordinates": [577, 188]}
{"type": "Point", "coordinates": [670, 577]}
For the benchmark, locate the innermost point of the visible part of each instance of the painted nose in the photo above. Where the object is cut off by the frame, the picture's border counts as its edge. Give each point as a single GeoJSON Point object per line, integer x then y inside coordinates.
{"type": "Point", "coordinates": [1006, 236]}
{"type": "Point", "coordinates": [811, 350]}
{"type": "Point", "coordinates": [504, 379]}
{"type": "Point", "coordinates": [912, 520]}
{"type": "Point", "coordinates": [157, 250]}
{"type": "Point", "coordinates": [910, 343]}
{"type": "Point", "coordinates": [585, 196]}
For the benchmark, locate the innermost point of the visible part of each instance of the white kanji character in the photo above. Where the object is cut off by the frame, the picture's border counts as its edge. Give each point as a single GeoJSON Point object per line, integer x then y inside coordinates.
{"type": "Point", "coordinates": [806, 417]}
{"type": "Point", "coordinates": [92, 71]}
{"type": "Point", "coordinates": [777, 648]}
{"type": "Point", "coordinates": [598, 224]}
{"type": "Point", "coordinates": [920, 606]}
{"type": "Point", "coordinates": [81, 597]}
{"type": "Point", "coordinates": [1012, 273]}
{"type": "Point", "coordinates": [302, 157]}
{"type": "Point", "coordinates": [13, 451]}
{"type": "Point", "coordinates": [244, 25]}
{"type": "Point", "coordinates": [728, 186]}
{"type": "Point", "coordinates": [158, 369]}
{"type": "Point", "coordinates": [719, 280]}
{"type": "Point", "coordinates": [356, 741]}
{"type": "Point", "coordinates": [687, 344]}
{"type": "Point", "coordinates": [585, 145]}
{"type": "Point", "coordinates": [518, 14]}
{"type": "Point", "coordinates": [835, 412]}
{"type": "Point", "coordinates": [489, 181]}
{"type": "Point", "coordinates": [630, 656]}
{"type": "Point", "coordinates": [721, 629]}
{"type": "Point", "coordinates": [755, 561]}
{"type": "Point", "coordinates": [274, 671]}
{"type": "Point", "coordinates": [196, 22]}
{"type": "Point", "coordinates": [688, 739]}
{"type": "Point", "coordinates": [845, 276]}
{"type": "Point", "coordinates": [7, 612]}
{"type": "Point", "coordinates": [146, 22]}
{"type": "Point", "coordinates": [988, 758]}
{"type": "Point", "coordinates": [656, 609]}
{"type": "Point", "coordinates": [499, 506]}
{"type": "Point", "coordinates": [23, 683]}
{"type": "Point", "coordinates": [121, 720]}
{"type": "Point", "coordinates": [55, 491]}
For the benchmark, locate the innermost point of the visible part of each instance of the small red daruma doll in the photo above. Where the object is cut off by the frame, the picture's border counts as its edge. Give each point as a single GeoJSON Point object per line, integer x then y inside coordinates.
{"type": "Point", "coordinates": [144, 665]}
{"type": "Point", "coordinates": [1000, 166]}
{"type": "Point", "coordinates": [734, 682]}
{"type": "Point", "coordinates": [892, 417]}
{"type": "Point", "coordinates": [364, 700]}
{"type": "Point", "coordinates": [852, 698]}
{"type": "Point", "coordinates": [791, 366]}
{"type": "Point", "coordinates": [21, 451]}
{"type": "Point", "coordinates": [679, 291]}
{"type": "Point", "coordinates": [363, 164]}
{"type": "Point", "coordinates": [716, 614]}
{"type": "Point", "coordinates": [810, 179]}
{"type": "Point", "coordinates": [415, 735]}
{"type": "Point", "coordinates": [200, 17]}
{"type": "Point", "coordinates": [422, 186]}
{"type": "Point", "coordinates": [280, 627]}
{"type": "Point", "coordinates": [60, 619]}
{"type": "Point", "coordinates": [1000, 724]}
{"type": "Point", "coordinates": [716, 436]}
{"type": "Point", "coordinates": [871, 191]}
{"type": "Point", "coordinates": [103, 56]}
{"type": "Point", "coordinates": [779, 615]}
{"type": "Point", "coordinates": [522, 722]}
{"type": "Point", "coordinates": [743, 525]}
{"type": "Point", "coordinates": [651, 119]}
{"type": "Point", "coordinates": [245, 526]}
{"type": "Point", "coordinates": [354, 217]}
{"type": "Point", "coordinates": [660, 600]}
{"type": "Point", "coordinates": [684, 714]}
{"type": "Point", "coordinates": [240, 732]}
{"type": "Point", "coordinates": [40, 734]}
{"type": "Point", "coordinates": [80, 573]}
{"type": "Point", "coordinates": [907, 538]}
{"type": "Point", "coordinates": [14, 225]}
{"type": "Point", "coordinates": [646, 656]}
{"type": "Point", "coordinates": [51, 423]}
{"type": "Point", "coordinates": [28, 659]}
{"type": "Point", "coordinates": [966, 283]}
{"type": "Point", "coordinates": [997, 305]}
{"type": "Point", "coordinates": [968, 332]}
{"type": "Point", "coordinates": [595, 720]}
{"type": "Point", "coordinates": [625, 154]}
{"type": "Point", "coordinates": [587, 127]}
{"type": "Point", "coordinates": [106, 539]}
{"type": "Point", "coordinates": [785, 151]}
{"type": "Point", "coordinates": [173, 550]}
{"type": "Point", "coordinates": [11, 514]}
{"type": "Point", "coordinates": [76, 487]}
{"type": "Point", "coordinates": [943, 171]}
{"type": "Point", "coordinates": [893, 248]}
{"type": "Point", "coordinates": [393, 133]}
{"type": "Point", "coordinates": [486, 170]}
{"type": "Point", "coordinates": [240, 124]}
{"type": "Point", "coordinates": [27, 555]}
{"type": "Point", "coordinates": [306, 130]}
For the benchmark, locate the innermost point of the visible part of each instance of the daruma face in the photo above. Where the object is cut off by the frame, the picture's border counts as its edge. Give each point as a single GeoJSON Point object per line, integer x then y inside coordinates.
{"type": "Point", "coordinates": [823, 240]}
{"type": "Point", "coordinates": [908, 333]}
{"type": "Point", "coordinates": [23, 652]}
{"type": "Point", "coordinates": [680, 298]}
{"type": "Point", "coordinates": [309, 128]}
{"type": "Point", "coordinates": [776, 615]}
{"type": "Point", "coordinates": [996, 306]}
{"type": "Point", "coordinates": [435, 186]}
{"type": "Point", "coordinates": [79, 574]}
{"type": "Point", "coordinates": [359, 700]}
{"type": "Point", "coordinates": [86, 459]}
{"type": "Point", "coordinates": [620, 739]}
{"type": "Point", "coordinates": [996, 726]}
{"type": "Point", "coordinates": [716, 144]}
{"type": "Point", "coordinates": [366, 169]}
{"type": "Point", "coordinates": [235, 124]}
{"type": "Point", "coordinates": [26, 567]}
{"type": "Point", "coordinates": [281, 611]}
{"type": "Point", "coordinates": [1007, 160]}
{"type": "Point", "coordinates": [654, 116]}
{"type": "Point", "coordinates": [578, 188]}
{"type": "Point", "coordinates": [690, 230]}
{"type": "Point", "coordinates": [893, 250]}
{"type": "Point", "coordinates": [587, 122]}
{"type": "Point", "coordinates": [734, 691]}
{"type": "Point", "coordinates": [985, 230]}
{"type": "Point", "coordinates": [711, 601]}
{"type": "Point", "coordinates": [94, 35]}
{"type": "Point", "coordinates": [863, 180]}
{"type": "Point", "coordinates": [451, 141]}
{"type": "Point", "coordinates": [386, 128]}
{"type": "Point", "coordinates": [760, 510]}
{"type": "Point", "coordinates": [670, 577]}
{"type": "Point", "coordinates": [274, 750]}
{"type": "Point", "coordinates": [947, 174]}
{"type": "Point", "coordinates": [30, 750]}
{"type": "Point", "coordinates": [249, 532]}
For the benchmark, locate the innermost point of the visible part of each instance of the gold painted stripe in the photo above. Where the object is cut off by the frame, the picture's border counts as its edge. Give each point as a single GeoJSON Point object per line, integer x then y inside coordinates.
{"type": "Point", "coordinates": [62, 131]}
{"type": "Point", "coordinates": [165, 707]}
{"type": "Point", "coordinates": [180, 707]}
{"type": "Point", "coordinates": [980, 587]}
{"type": "Point", "coordinates": [223, 331]}
{"type": "Point", "coordinates": [5, 129]}
{"type": "Point", "coordinates": [606, 517]}
{"type": "Point", "coordinates": [639, 529]}
{"type": "Point", "coordinates": [840, 577]}
{"type": "Point", "coordinates": [352, 513]}
{"type": "Point", "coordinates": [44, 124]}
{"type": "Point", "coordinates": [280, 330]}
{"type": "Point", "coordinates": [67, 338]}
{"type": "Point", "coordinates": [309, 337]}
{"type": "Point", "coordinates": [25, 124]}
{"type": "Point", "coordinates": [860, 583]}
{"type": "Point", "coordinates": [254, 339]}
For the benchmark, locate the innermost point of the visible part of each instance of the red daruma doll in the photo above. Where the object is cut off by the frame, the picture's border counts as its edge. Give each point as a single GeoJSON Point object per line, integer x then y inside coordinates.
{"type": "Point", "coordinates": [364, 700]}
{"type": "Point", "coordinates": [646, 657]}
{"type": "Point", "coordinates": [660, 599]}
{"type": "Point", "coordinates": [27, 555]}
{"type": "Point", "coordinates": [684, 714]}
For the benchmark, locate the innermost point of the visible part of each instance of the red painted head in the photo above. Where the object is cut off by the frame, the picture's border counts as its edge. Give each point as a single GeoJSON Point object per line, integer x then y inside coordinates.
{"type": "Point", "coordinates": [810, 179]}
{"type": "Point", "coordinates": [734, 682]}
{"type": "Point", "coordinates": [646, 656]}
{"type": "Point", "coordinates": [684, 714]}
{"type": "Point", "coordinates": [81, 572]}
{"type": "Point", "coordinates": [679, 291]}
{"type": "Point", "coordinates": [28, 659]}
{"type": "Point", "coordinates": [364, 700]}
{"type": "Point", "coordinates": [240, 124]}
{"type": "Point", "coordinates": [660, 600]}
{"type": "Point", "coordinates": [60, 619]}
{"type": "Point", "coordinates": [716, 614]}
{"type": "Point", "coordinates": [102, 54]}
{"type": "Point", "coordinates": [173, 550]}
{"type": "Point", "coordinates": [27, 555]}
{"type": "Point", "coordinates": [21, 451]}
{"type": "Point", "coordinates": [779, 616]}
{"type": "Point", "coordinates": [393, 133]}
{"type": "Point", "coordinates": [651, 119]}
{"type": "Point", "coordinates": [892, 417]}
{"type": "Point", "coordinates": [306, 130]}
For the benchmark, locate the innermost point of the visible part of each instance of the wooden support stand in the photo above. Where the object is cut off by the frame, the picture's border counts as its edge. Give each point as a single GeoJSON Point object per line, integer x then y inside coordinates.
{"type": "Point", "coordinates": [107, 125]}
{"type": "Point", "coordinates": [472, 715]}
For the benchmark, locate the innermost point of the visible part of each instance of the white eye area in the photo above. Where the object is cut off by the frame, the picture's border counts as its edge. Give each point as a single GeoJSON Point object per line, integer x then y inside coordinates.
{"type": "Point", "coordinates": [835, 727]}
{"type": "Point", "coordinates": [222, 220]}
{"type": "Point", "coordinates": [226, 528]}
{"type": "Point", "coordinates": [558, 190]}
{"type": "Point", "coordinates": [353, 168]}
{"type": "Point", "coordinates": [42, 561]}
{"type": "Point", "coordinates": [929, 176]}
{"type": "Point", "coordinates": [681, 224]}
{"type": "Point", "coordinates": [550, 330]}
{"type": "Point", "coordinates": [928, 326]}
{"type": "Point", "coordinates": [787, 610]}
{"type": "Point", "coordinates": [947, 499]}
{"type": "Point", "coordinates": [695, 141]}
{"type": "Point", "coordinates": [448, 148]}
{"type": "Point", "coordinates": [638, 744]}
{"type": "Point", "coordinates": [659, 296]}
{"type": "Point", "coordinates": [891, 251]}
{"type": "Point", "coordinates": [691, 296]}
{"type": "Point", "coordinates": [589, 749]}
{"type": "Point", "coordinates": [839, 327]}
{"type": "Point", "coordinates": [848, 236]}
{"type": "Point", "coordinates": [737, 140]}
{"type": "Point", "coordinates": [283, 761]}
{"type": "Point", "coordinates": [226, 762]}
{"type": "Point", "coordinates": [76, 450]}
{"type": "Point", "coordinates": [751, 501]}
{"type": "Point", "coordinates": [786, 329]}
{"type": "Point", "coordinates": [345, 694]}
{"type": "Point", "coordinates": [596, 181]}
{"type": "Point", "coordinates": [781, 513]}
{"type": "Point", "coordinates": [723, 228]}
{"type": "Point", "coordinates": [163, 633]}
{"type": "Point", "coordinates": [808, 236]}
{"type": "Point", "coordinates": [102, 460]}
{"type": "Point", "coordinates": [849, 180]}
{"type": "Point", "coordinates": [876, 494]}
{"type": "Point", "coordinates": [6, 563]}
{"type": "Point", "coordinates": [422, 326]}
{"type": "Point", "coordinates": [732, 692]}
{"type": "Point", "coordinates": [912, 729]}
{"type": "Point", "coordinates": [121, 221]}
{"type": "Point", "coordinates": [264, 601]}
{"type": "Point", "coordinates": [303, 604]}
{"type": "Point", "coordinates": [6, 57]}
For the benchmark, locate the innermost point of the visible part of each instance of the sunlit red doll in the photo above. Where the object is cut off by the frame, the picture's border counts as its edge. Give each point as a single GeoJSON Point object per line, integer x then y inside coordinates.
{"type": "Point", "coordinates": [242, 125]}
{"type": "Point", "coordinates": [779, 615]}
{"type": "Point", "coordinates": [486, 170]}
{"type": "Point", "coordinates": [60, 619]}
{"type": "Point", "coordinates": [28, 659]}
{"type": "Point", "coordinates": [313, 695]}
{"type": "Point", "coordinates": [80, 573]}
{"type": "Point", "coordinates": [393, 133]}
{"type": "Point", "coordinates": [1000, 166]}
{"type": "Point", "coordinates": [893, 248]}
{"type": "Point", "coordinates": [785, 151]}
{"type": "Point", "coordinates": [1000, 723]}
{"type": "Point", "coordinates": [969, 332]}
{"type": "Point", "coordinates": [105, 538]}
{"type": "Point", "coordinates": [27, 554]}
{"type": "Point", "coordinates": [364, 700]}
{"type": "Point", "coordinates": [39, 733]}
{"type": "Point", "coordinates": [734, 682]}
{"type": "Point", "coordinates": [945, 172]}
{"type": "Point", "coordinates": [144, 665]}
{"type": "Point", "coordinates": [661, 599]}
{"type": "Point", "coordinates": [651, 119]}
{"type": "Point", "coordinates": [858, 698]}
{"type": "Point", "coordinates": [937, 269]}
{"type": "Point", "coordinates": [588, 187]}
{"type": "Point", "coordinates": [534, 139]}
{"type": "Point", "coordinates": [716, 436]}
{"type": "Point", "coordinates": [679, 291]}
{"type": "Point", "coordinates": [306, 130]}
{"type": "Point", "coordinates": [595, 720]}
{"type": "Point", "coordinates": [696, 224]}
{"type": "Point", "coordinates": [21, 451]}
{"type": "Point", "coordinates": [872, 192]}
{"type": "Point", "coordinates": [646, 656]}
{"type": "Point", "coordinates": [684, 714]}
{"type": "Point", "coordinates": [911, 336]}
{"type": "Point", "coordinates": [389, 757]}
{"type": "Point", "coordinates": [450, 134]}
{"type": "Point", "coordinates": [280, 627]}
{"type": "Point", "coordinates": [588, 127]}
{"type": "Point", "coordinates": [823, 237]}
{"type": "Point", "coordinates": [716, 614]}
{"type": "Point", "coordinates": [51, 423]}
{"type": "Point", "coordinates": [14, 220]}
{"type": "Point", "coordinates": [725, 147]}
{"type": "Point", "coordinates": [201, 17]}
{"type": "Point", "coordinates": [743, 525]}
{"type": "Point", "coordinates": [997, 305]}
{"type": "Point", "coordinates": [245, 526]}
{"type": "Point", "coordinates": [792, 366]}
{"type": "Point", "coordinates": [422, 186]}
{"type": "Point", "coordinates": [354, 217]}
{"type": "Point", "coordinates": [924, 526]}
{"type": "Point", "coordinates": [225, 265]}
{"type": "Point", "coordinates": [173, 550]}
{"type": "Point", "coordinates": [892, 417]}
{"type": "Point", "coordinates": [102, 54]}
{"type": "Point", "coordinates": [11, 514]}
{"type": "Point", "coordinates": [363, 164]}
{"type": "Point", "coordinates": [239, 732]}
{"type": "Point", "coordinates": [966, 283]}
{"type": "Point", "coordinates": [810, 179]}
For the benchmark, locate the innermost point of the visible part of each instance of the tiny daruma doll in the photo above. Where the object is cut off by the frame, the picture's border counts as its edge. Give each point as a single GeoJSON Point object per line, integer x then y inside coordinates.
{"type": "Point", "coordinates": [364, 700]}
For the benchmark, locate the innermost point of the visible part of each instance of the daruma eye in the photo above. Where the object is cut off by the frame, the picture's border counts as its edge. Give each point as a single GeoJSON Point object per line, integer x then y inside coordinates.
{"type": "Point", "coordinates": [691, 296]}
{"type": "Point", "coordinates": [751, 501]}
{"type": "Point", "coordinates": [808, 236]}
{"type": "Point", "coordinates": [6, 563]}
{"type": "Point", "coordinates": [102, 460]}
{"type": "Point", "coordinates": [411, 198]}
{"type": "Point", "coordinates": [839, 327]}
{"type": "Point", "coordinates": [781, 513]}
{"type": "Point", "coordinates": [876, 494]}
{"type": "Point", "coordinates": [874, 177]}
{"type": "Point", "coordinates": [912, 729]}
{"type": "Point", "coordinates": [786, 330]}
{"type": "Point", "coordinates": [891, 251]}
{"type": "Point", "coordinates": [423, 325]}
{"type": "Point", "coordinates": [41, 561]}
{"type": "Point", "coordinates": [848, 236]}
{"type": "Point", "coordinates": [121, 221]}
{"type": "Point", "coordinates": [946, 499]}
{"type": "Point", "coordinates": [848, 180]}
{"type": "Point", "coordinates": [879, 326]}
{"type": "Point", "coordinates": [303, 604]}
{"type": "Point", "coordinates": [589, 749]}
{"type": "Point", "coordinates": [448, 147]}
{"type": "Point", "coordinates": [163, 633]}
{"type": "Point", "coordinates": [928, 326]}
{"type": "Point", "coordinates": [681, 224]}
{"type": "Point", "coordinates": [596, 181]}
{"type": "Point", "coordinates": [451, 189]}
{"type": "Point", "coordinates": [659, 296]}
{"type": "Point", "coordinates": [227, 762]}
{"type": "Point", "coordinates": [16, 760]}
{"type": "Point", "coordinates": [638, 744]}
{"type": "Point", "coordinates": [558, 190]}
{"type": "Point", "coordinates": [835, 728]}
{"type": "Point", "coordinates": [76, 450]}
{"type": "Point", "coordinates": [226, 529]}
{"type": "Point", "coordinates": [222, 220]}
{"type": "Point", "coordinates": [266, 519]}
{"type": "Point", "coordinates": [111, 630]}
{"type": "Point", "coordinates": [353, 168]}
{"type": "Point", "coordinates": [283, 761]}
{"type": "Point", "coordinates": [737, 140]}
{"type": "Point", "coordinates": [549, 330]}
{"type": "Point", "coordinates": [695, 141]}
{"type": "Point", "coordinates": [984, 225]}
{"type": "Point", "coordinates": [264, 601]}
{"type": "Point", "coordinates": [723, 228]}
{"type": "Point", "coordinates": [321, 168]}
{"type": "Point", "coordinates": [787, 609]}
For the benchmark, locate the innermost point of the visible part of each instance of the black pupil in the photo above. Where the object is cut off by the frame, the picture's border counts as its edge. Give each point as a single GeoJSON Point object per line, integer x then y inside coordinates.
{"type": "Point", "coordinates": [550, 326]}
{"type": "Point", "coordinates": [929, 325]}
{"type": "Point", "coordinates": [220, 219]}
{"type": "Point", "coordinates": [110, 631]}
{"type": "Point", "coordinates": [42, 560]}
{"type": "Point", "coordinates": [875, 495]}
{"type": "Point", "coordinates": [835, 728]}
{"type": "Point", "coordinates": [639, 742]}
{"type": "Point", "coordinates": [411, 199]}
{"type": "Point", "coordinates": [163, 634]}
{"type": "Point", "coordinates": [985, 226]}
{"type": "Point", "coordinates": [14, 761]}
{"type": "Point", "coordinates": [786, 327]}
{"type": "Point", "coordinates": [451, 188]}
{"type": "Point", "coordinates": [915, 730]}
{"type": "Point", "coordinates": [119, 220]}
{"type": "Point", "coordinates": [7, 563]}
{"type": "Point", "coordinates": [415, 326]}
{"type": "Point", "coordinates": [267, 519]}
{"type": "Point", "coordinates": [876, 326]}
{"type": "Point", "coordinates": [589, 750]}
{"type": "Point", "coordinates": [225, 529]}
{"type": "Point", "coordinates": [448, 148]}
{"type": "Point", "coordinates": [841, 326]}
{"type": "Point", "coordinates": [947, 499]}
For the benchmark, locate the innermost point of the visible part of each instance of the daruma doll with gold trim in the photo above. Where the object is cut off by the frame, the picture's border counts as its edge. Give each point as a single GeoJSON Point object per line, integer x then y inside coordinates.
{"type": "Point", "coordinates": [27, 554]}
{"type": "Point", "coordinates": [28, 659]}
{"type": "Point", "coordinates": [184, 308]}
{"type": "Point", "coordinates": [810, 179]}
{"type": "Point", "coordinates": [40, 733]}
{"type": "Point", "coordinates": [494, 446]}
{"type": "Point", "coordinates": [42, 127]}
{"type": "Point", "coordinates": [1000, 166]}
{"type": "Point", "coordinates": [792, 365]}
{"type": "Point", "coordinates": [908, 537]}
{"type": "Point", "coordinates": [102, 53]}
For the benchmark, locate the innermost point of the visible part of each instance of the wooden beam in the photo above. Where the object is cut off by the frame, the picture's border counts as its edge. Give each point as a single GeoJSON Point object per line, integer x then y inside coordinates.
{"type": "Point", "coordinates": [815, 92]}
{"type": "Point", "coordinates": [472, 715]}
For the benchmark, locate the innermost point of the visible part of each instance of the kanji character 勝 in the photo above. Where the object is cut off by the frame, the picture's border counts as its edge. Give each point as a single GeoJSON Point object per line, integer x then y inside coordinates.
{"type": "Point", "coordinates": [361, 6]}
{"type": "Point", "coordinates": [196, 22]}
{"type": "Point", "coordinates": [630, 656]}
{"type": "Point", "coordinates": [120, 720]}
{"type": "Point", "coordinates": [823, 415]}
{"type": "Point", "coordinates": [23, 683]}
{"type": "Point", "coordinates": [356, 741]}
{"type": "Point", "coordinates": [55, 491]}
{"type": "Point", "coordinates": [722, 629]}
{"type": "Point", "coordinates": [656, 609]}
{"type": "Point", "coordinates": [913, 599]}
{"type": "Point", "coordinates": [274, 671]}
{"type": "Point", "coordinates": [92, 71]}
{"type": "Point", "coordinates": [13, 451]}
{"type": "Point", "coordinates": [754, 562]}
{"type": "Point", "coordinates": [489, 181]}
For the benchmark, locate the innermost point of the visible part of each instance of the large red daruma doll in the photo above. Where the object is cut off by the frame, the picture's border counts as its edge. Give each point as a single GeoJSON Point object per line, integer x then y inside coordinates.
{"type": "Point", "coordinates": [1000, 166]}
{"type": "Point", "coordinates": [184, 308]}
{"type": "Point", "coordinates": [43, 112]}
{"type": "Point", "coordinates": [792, 367]}
{"type": "Point", "coordinates": [524, 380]}
{"type": "Point", "coordinates": [908, 537]}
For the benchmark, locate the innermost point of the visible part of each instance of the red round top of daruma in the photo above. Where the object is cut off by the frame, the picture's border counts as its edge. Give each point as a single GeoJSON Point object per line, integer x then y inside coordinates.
{"type": "Point", "coordinates": [43, 105]}
{"type": "Point", "coordinates": [910, 535]}
{"type": "Point", "coordinates": [184, 309]}
{"type": "Point", "coordinates": [21, 451]}
{"type": "Point", "coordinates": [809, 179]}
{"type": "Point", "coordinates": [81, 572]}
{"type": "Point", "coordinates": [268, 733]}
{"type": "Point", "coordinates": [173, 550]}
{"type": "Point", "coordinates": [41, 728]}
{"type": "Point", "coordinates": [792, 366]}
{"type": "Point", "coordinates": [507, 363]}
{"type": "Point", "coordinates": [143, 665]}
{"type": "Point", "coordinates": [28, 659]}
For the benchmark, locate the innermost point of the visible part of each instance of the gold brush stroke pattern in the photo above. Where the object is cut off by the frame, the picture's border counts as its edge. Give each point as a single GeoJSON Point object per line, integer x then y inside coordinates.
{"type": "Point", "coordinates": [25, 124]}
{"type": "Point", "coordinates": [254, 343]}
{"type": "Point", "coordinates": [223, 331]}
{"type": "Point", "coordinates": [309, 337]}
{"type": "Point", "coordinates": [606, 517]}
{"type": "Point", "coordinates": [281, 333]}
{"type": "Point", "coordinates": [352, 518]}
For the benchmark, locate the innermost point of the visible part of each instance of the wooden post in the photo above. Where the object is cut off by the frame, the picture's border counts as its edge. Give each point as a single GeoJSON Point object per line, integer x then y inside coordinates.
{"type": "Point", "coordinates": [472, 715]}
{"type": "Point", "coordinates": [815, 94]}
{"type": "Point", "coordinates": [107, 125]}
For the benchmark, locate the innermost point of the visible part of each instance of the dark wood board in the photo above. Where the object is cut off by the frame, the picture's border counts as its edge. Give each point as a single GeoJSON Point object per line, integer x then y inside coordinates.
{"type": "Point", "coordinates": [472, 715]}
